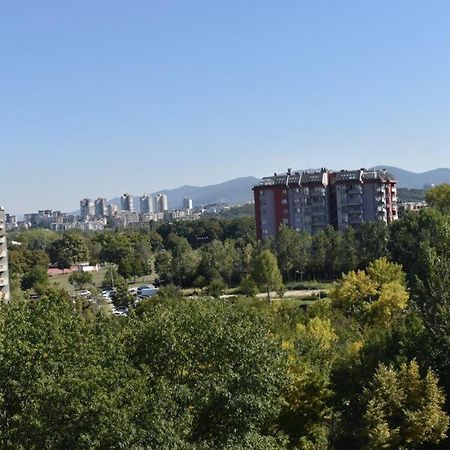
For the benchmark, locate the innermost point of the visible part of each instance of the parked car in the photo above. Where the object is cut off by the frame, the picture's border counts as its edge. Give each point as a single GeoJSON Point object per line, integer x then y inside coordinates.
{"type": "Point", "coordinates": [148, 292]}
{"type": "Point", "coordinates": [84, 293]}
{"type": "Point", "coordinates": [107, 293]}
{"type": "Point", "coordinates": [120, 311]}
{"type": "Point", "coordinates": [144, 286]}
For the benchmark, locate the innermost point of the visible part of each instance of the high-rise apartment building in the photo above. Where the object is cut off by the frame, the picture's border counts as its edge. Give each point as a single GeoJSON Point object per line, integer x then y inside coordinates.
{"type": "Point", "coordinates": [4, 273]}
{"type": "Point", "coordinates": [112, 210]}
{"type": "Point", "coordinates": [101, 208]}
{"type": "Point", "coordinates": [161, 203]}
{"type": "Point", "coordinates": [363, 196]}
{"type": "Point", "coordinates": [126, 202]}
{"type": "Point", "coordinates": [86, 209]}
{"type": "Point", "coordinates": [187, 203]}
{"type": "Point", "coordinates": [146, 204]}
{"type": "Point", "coordinates": [311, 201]}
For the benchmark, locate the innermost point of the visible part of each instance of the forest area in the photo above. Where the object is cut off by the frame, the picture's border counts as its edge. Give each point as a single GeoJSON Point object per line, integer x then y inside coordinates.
{"type": "Point", "coordinates": [365, 367]}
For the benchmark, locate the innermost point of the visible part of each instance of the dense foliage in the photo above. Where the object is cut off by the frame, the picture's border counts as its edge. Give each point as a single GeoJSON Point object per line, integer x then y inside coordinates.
{"type": "Point", "coordinates": [368, 367]}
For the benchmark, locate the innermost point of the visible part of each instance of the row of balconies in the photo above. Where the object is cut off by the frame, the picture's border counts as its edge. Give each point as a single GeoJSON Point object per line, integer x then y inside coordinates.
{"type": "Point", "coordinates": [354, 190]}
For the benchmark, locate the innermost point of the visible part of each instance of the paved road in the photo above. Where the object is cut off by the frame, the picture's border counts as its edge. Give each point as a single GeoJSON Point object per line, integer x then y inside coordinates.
{"type": "Point", "coordinates": [297, 293]}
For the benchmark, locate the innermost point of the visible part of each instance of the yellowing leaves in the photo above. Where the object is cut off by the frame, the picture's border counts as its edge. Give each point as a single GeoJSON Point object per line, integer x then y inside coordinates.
{"type": "Point", "coordinates": [375, 295]}
{"type": "Point", "coordinates": [319, 331]}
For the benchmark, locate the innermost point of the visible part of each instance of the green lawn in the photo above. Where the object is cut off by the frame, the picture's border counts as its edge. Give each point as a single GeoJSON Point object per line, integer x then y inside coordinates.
{"type": "Point", "coordinates": [63, 280]}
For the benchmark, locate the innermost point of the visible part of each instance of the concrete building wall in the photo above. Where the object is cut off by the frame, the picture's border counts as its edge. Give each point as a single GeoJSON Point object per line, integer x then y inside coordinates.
{"type": "Point", "coordinates": [86, 209]}
{"type": "Point", "coordinates": [311, 201]}
{"type": "Point", "coordinates": [100, 208]}
{"type": "Point", "coordinates": [4, 272]}
{"type": "Point", "coordinates": [187, 203]}
{"type": "Point", "coordinates": [269, 225]}
{"type": "Point", "coordinates": [126, 202]}
{"type": "Point", "coordinates": [146, 204]}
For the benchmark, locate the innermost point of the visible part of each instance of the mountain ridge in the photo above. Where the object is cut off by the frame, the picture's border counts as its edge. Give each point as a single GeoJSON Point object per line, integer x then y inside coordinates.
{"type": "Point", "coordinates": [418, 180]}
{"type": "Point", "coordinates": [235, 191]}
{"type": "Point", "coordinates": [239, 190]}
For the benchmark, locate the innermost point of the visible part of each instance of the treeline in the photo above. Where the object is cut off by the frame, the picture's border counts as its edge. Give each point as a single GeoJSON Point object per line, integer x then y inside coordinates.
{"type": "Point", "coordinates": [368, 367]}
{"type": "Point", "coordinates": [218, 251]}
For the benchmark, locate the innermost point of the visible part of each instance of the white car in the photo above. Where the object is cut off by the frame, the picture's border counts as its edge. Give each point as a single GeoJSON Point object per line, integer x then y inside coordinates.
{"type": "Point", "coordinates": [84, 293]}
{"type": "Point", "coordinates": [120, 311]}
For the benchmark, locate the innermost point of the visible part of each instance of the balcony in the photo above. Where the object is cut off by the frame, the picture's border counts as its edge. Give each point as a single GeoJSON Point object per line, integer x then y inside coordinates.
{"type": "Point", "coordinates": [355, 191]}
{"type": "Point", "coordinates": [3, 281]}
{"type": "Point", "coordinates": [320, 192]}
{"type": "Point", "coordinates": [3, 268]}
{"type": "Point", "coordinates": [3, 254]}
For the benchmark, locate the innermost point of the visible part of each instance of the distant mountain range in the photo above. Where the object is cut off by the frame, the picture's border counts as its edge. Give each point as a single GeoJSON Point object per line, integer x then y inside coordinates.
{"type": "Point", "coordinates": [239, 190]}
{"type": "Point", "coordinates": [233, 192]}
{"type": "Point", "coordinates": [412, 180]}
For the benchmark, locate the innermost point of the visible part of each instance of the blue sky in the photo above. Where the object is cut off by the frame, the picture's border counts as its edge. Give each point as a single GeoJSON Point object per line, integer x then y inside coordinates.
{"type": "Point", "coordinates": [101, 97]}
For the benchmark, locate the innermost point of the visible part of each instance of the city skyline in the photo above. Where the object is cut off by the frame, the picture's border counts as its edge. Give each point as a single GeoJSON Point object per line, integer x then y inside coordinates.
{"type": "Point", "coordinates": [102, 98]}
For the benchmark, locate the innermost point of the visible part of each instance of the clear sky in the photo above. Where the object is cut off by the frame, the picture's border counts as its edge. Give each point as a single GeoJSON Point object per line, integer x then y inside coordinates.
{"type": "Point", "coordinates": [101, 97]}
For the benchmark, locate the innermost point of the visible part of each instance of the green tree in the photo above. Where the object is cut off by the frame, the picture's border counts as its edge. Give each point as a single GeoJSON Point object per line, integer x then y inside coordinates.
{"type": "Point", "coordinates": [248, 287]}
{"type": "Point", "coordinates": [36, 278]}
{"type": "Point", "coordinates": [115, 247]}
{"type": "Point", "coordinates": [293, 251]}
{"type": "Point", "coordinates": [112, 278]}
{"type": "Point", "coordinates": [37, 239]}
{"type": "Point", "coordinates": [439, 197]}
{"type": "Point", "coordinates": [408, 236]}
{"type": "Point", "coordinates": [375, 296]}
{"type": "Point", "coordinates": [163, 265]}
{"type": "Point", "coordinates": [68, 250]}
{"type": "Point", "coordinates": [306, 414]}
{"type": "Point", "coordinates": [431, 295]}
{"type": "Point", "coordinates": [217, 362]}
{"type": "Point", "coordinates": [347, 251]}
{"type": "Point", "coordinates": [219, 259]}
{"type": "Point", "coordinates": [65, 382]}
{"type": "Point", "coordinates": [266, 273]}
{"type": "Point", "coordinates": [373, 242]}
{"type": "Point", "coordinates": [125, 268]}
{"type": "Point", "coordinates": [404, 410]}
{"type": "Point", "coordinates": [122, 297]}
{"type": "Point", "coordinates": [80, 278]}
{"type": "Point", "coordinates": [216, 288]}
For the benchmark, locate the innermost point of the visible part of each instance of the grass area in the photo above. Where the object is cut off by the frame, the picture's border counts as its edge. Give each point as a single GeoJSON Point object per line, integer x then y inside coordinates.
{"type": "Point", "coordinates": [309, 285]}
{"type": "Point", "coordinates": [63, 280]}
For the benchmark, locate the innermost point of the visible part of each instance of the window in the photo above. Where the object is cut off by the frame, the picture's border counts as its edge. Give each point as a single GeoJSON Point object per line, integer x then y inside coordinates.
{"type": "Point", "coordinates": [285, 221]}
{"type": "Point", "coordinates": [284, 201]}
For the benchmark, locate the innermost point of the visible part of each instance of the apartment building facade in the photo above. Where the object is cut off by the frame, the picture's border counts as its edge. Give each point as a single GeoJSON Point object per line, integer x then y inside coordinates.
{"type": "Point", "coordinates": [146, 203]}
{"type": "Point", "coordinates": [87, 209]}
{"type": "Point", "coordinates": [4, 273]}
{"type": "Point", "coordinates": [311, 201]}
{"type": "Point", "coordinates": [101, 206]}
{"type": "Point", "coordinates": [126, 202]}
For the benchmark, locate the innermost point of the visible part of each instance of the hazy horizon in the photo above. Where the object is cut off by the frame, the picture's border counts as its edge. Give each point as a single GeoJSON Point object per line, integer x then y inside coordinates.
{"type": "Point", "coordinates": [102, 98]}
